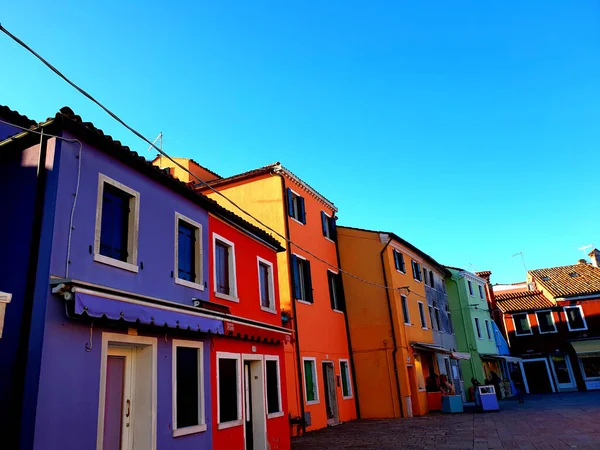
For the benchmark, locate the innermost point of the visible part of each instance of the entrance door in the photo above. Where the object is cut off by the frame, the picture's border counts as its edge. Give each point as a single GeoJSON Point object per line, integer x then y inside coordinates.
{"type": "Point", "coordinates": [117, 401]}
{"type": "Point", "coordinates": [563, 372]}
{"type": "Point", "coordinates": [330, 393]}
{"type": "Point", "coordinates": [538, 376]}
{"type": "Point", "coordinates": [255, 424]}
{"type": "Point", "coordinates": [248, 406]}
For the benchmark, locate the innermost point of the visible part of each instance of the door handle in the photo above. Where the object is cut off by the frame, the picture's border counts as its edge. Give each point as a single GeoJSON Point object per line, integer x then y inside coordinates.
{"type": "Point", "coordinates": [128, 408]}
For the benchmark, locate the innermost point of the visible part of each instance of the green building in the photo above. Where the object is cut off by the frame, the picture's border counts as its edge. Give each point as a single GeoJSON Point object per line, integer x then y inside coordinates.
{"type": "Point", "coordinates": [473, 326]}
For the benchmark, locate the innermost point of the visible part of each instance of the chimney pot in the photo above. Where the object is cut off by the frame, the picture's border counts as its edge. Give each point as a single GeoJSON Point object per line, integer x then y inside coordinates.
{"type": "Point", "coordinates": [595, 256]}
{"type": "Point", "coordinates": [582, 261]}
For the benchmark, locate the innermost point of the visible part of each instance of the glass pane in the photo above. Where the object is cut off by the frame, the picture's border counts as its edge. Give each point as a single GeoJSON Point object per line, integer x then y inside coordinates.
{"type": "Point", "coordinates": [272, 387]}
{"type": "Point", "coordinates": [187, 387]}
{"type": "Point", "coordinates": [115, 223]}
{"type": "Point", "coordinates": [265, 299]}
{"type": "Point", "coordinates": [521, 324]}
{"type": "Point", "coordinates": [228, 390]}
{"type": "Point", "coordinates": [309, 378]}
{"type": "Point", "coordinates": [345, 384]}
{"type": "Point", "coordinates": [575, 319]}
{"type": "Point", "coordinates": [545, 321]}
{"type": "Point", "coordinates": [561, 369]}
{"type": "Point", "coordinates": [591, 366]}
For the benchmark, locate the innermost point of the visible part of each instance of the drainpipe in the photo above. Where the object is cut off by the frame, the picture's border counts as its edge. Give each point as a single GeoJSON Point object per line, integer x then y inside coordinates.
{"type": "Point", "coordinates": [391, 315]}
{"type": "Point", "coordinates": [290, 274]}
{"type": "Point", "coordinates": [356, 402]}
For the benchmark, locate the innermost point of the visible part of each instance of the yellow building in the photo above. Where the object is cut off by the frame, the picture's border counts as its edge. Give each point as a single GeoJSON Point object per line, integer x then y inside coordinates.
{"type": "Point", "coordinates": [390, 329]}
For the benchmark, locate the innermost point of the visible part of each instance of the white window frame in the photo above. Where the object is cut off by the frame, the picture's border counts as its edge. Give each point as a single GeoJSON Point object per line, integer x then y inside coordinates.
{"type": "Point", "coordinates": [238, 421]}
{"type": "Point", "coordinates": [422, 315]}
{"type": "Point", "coordinates": [280, 413]}
{"type": "Point", "coordinates": [132, 229]}
{"type": "Point", "coordinates": [328, 227]}
{"type": "Point", "coordinates": [582, 317]}
{"type": "Point", "coordinates": [271, 309]}
{"type": "Point", "coordinates": [403, 261]}
{"type": "Point", "coordinates": [198, 283]}
{"type": "Point", "coordinates": [201, 408]}
{"type": "Point", "coordinates": [336, 293]}
{"type": "Point", "coordinates": [348, 377]}
{"type": "Point", "coordinates": [478, 328]}
{"type": "Point", "coordinates": [296, 210]}
{"type": "Point", "coordinates": [404, 301]}
{"type": "Point", "coordinates": [488, 330]}
{"type": "Point", "coordinates": [537, 317]}
{"type": "Point", "coordinates": [317, 400]}
{"type": "Point", "coordinates": [232, 272]}
{"type": "Point", "coordinates": [303, 287]}
{"type": "Point", "coordinates": [515, 324]}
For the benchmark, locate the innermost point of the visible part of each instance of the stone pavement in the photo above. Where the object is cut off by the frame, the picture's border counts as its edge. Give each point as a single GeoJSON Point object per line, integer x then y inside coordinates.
{"type": "Point", "coordinates": [553, 421]}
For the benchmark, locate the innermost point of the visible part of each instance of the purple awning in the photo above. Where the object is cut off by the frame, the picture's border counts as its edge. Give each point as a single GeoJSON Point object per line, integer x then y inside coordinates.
{"type": "Point", "coordinates": [131, 310]}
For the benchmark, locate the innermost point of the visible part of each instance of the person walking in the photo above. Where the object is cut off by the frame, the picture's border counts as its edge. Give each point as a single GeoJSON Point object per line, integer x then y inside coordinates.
{"type": "Point", "coordinates": [517, 378]}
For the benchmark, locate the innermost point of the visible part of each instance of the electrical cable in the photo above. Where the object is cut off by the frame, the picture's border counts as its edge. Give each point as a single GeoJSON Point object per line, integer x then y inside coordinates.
{"type": "Point", "coordinates": [142, 137]}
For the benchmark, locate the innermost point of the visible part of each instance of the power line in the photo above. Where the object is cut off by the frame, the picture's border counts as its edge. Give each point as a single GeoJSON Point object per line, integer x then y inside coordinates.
{"type": "Point", "coordinates": [152, 145]}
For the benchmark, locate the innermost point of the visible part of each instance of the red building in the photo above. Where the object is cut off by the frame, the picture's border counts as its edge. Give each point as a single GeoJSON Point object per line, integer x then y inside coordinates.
{"type": "Point", "coordinates": [552, 321]}
{"type": "Point", "coordinates": [248, 363]}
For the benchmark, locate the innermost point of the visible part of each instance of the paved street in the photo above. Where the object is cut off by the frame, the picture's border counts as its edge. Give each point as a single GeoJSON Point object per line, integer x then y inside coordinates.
{"type": "Point", "coordinates": [559, 421]}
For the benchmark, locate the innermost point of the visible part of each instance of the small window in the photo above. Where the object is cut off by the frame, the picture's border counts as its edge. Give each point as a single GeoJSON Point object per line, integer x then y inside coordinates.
{"type": "Point", "coordinates": [188, 388]}
{"type": "Point", "coordinates": [188, 252]}
{"type": "Point", "coordinates": [522, 326]}
{"type": "Point", "coordinates": [470, 287]}
{"type": "Point", "coordinates": [478, 327]}
{"type": "Point", "coordinates": [405, 312]}
{"type": "Point", "coordinates": [273, 376]}
{"type": "Point", "coordinates": [345, 373]}
{"type": "Point", "coordinates": [425, 277]}
{"type": "Point", "coordinates": [450, 324]}
{"type": "Point", "coordinates": [431, 279]}
{"type": "Point", "coordinates": [573, 274]}
{"type": "Point", "coordinates": [575, 318]}
{"type": "Point", "coordinates": [480, 291]}
{"type": "Point", "coordinates": [545, 322]}
{"type": "Point", "coordinates": [545, 278]}
{"type": "Point", "coordinates": [229, 401]}
{"type": "Point", "coordinates": [430, 309]}
{"type": "Point", "coordinates": [302, 279]}
{"type": "Point", "coordinates": [437, 319]}
{"type": "Point", "coordinates": [310, 381]}
{"type": "Point", "coordinates": [224, 268]}
{"type": "Point", "coordinates": [488, 330]}
{"type": "Point", "coordinates": [296, 208]}
{"type": "Point", "coordinates": [336, 292]}
{"type": "Point", "coordinates": [328, 226]}
{"type": "Point", "coordinates": [416, 269]}
{"type": "Point", "coordinates": [117, 220]}
{"type": "Point", "coordinates": [266, 285]}
{"type": "Point", "coordinates": [422, 315]}
{"type": "Point", "coordinates": [399, 261]}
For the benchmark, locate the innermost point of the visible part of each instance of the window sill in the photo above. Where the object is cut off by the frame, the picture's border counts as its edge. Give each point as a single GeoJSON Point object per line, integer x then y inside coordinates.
{"type": "Point", "coordinates": [231, 298]}
{"type": "Point", "coordinates": [296, 220]}
{"type": "Point", "coordinates": [116, 263]}
{"type": "Point", "coordinates": [338, 311]}
{"type": "Point", "coordinates": [424, 328]}
{"type": "Point", "coordinates": [525, 334]}
{"type": "Point", "coordinates": [275, 415]}
{"type": "Point", "coordinates": [189, 430]}
{"type": "Point", "coordinates": [417, 280]}
{"type": "Point", "coordinates": [233, 423]}
{"type": "Point", "coordinates": [403, 272]}
{"type": "Point", "coordinates": [190, 284]}
{"type": "Point", "coordinates": [577, 329]}
{"type": "Point", "coordinates": [304, 301]}
{"type": "Point", "coordinates": [347, 397]}
{"type": "Point", "coordinates": [313, 402]}
{"type": "Point", "coordinates": [329, 239]}
{"type": "Point", "coordinates": [408, 324]}
{"type": "Point", "coordinates": [269, 310]}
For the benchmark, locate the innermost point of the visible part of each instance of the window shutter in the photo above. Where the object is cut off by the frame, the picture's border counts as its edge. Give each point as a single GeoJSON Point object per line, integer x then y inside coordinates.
{"type": "Point", "coordinates": [333, 229]}
{"type": "Point", "coordinates": [396, 260]}
{"type": "Point", "coordinates": [324, 223]}
{"type": "Point", "coordinates": [340, 292]}
{"type": "Point", "coordinates": [290, 203]}
{"type": "Point", "coordinates": [413, 269]}
{"type": "Point", "coordinates": [295, 277]}
{"type": "Point", "coordinates": [302, 210]}
{"type": "Point", "coordinates": [331, 284]}
{"type": "Point", "coordinates": [308, 280]}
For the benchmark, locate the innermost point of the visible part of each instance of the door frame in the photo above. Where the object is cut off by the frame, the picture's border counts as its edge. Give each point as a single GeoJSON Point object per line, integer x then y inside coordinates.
{"type": "Point", "coordinates": [263, 416]}
{"type": "Point", "coordinates": [336, 416]}
{"type": "Point", "coordinates": [545, 360]}
{"type": "Point", "coordinates": [128, 342]}
{"type": "Point", "coordinates": [573, 384]}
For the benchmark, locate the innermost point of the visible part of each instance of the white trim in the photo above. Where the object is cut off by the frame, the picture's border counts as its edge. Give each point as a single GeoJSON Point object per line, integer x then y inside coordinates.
{"type": "Point", "coordinates": [335, 292]}
{"type": "Point", "coordinates": [239, 420]}
{"type": "Point", "coordinates": [131, 341]}
{"type": "Point", "coordinates": [422, 315]}
{"type": "Point", "coordinates": [345, 397]}
{"type": "Point", "coordinates": [316, 380]}
{"type": "Point", "coordinates": [132, 229]}
{"type": "Point", "coordinates": [271, 287]}
{"type": "Point", "coordinates": [550, 378]}
{"type": "Point", "coordinates": [512, 316]}
{"type": "Point", "coordinates": [304, 302]}
{"type": "Point", "coordinates": [198, 283]}
{"type": "Point", "coordinates": [287, 206]}
{"type": "Point", "coordinates": [407, 318]}
{"type": "Point", "coordinates": [201, 403]}
{"type": "Point", "coordinates": [296, 220]}
{"type": "Point", "coordinates": [232, 270]}
{"type": "Point", "coordinates": [551, 317]}
{"type": "Point", "coordinates": [582, 318]}
{"type": "Point", "coordinates": [280, 412]}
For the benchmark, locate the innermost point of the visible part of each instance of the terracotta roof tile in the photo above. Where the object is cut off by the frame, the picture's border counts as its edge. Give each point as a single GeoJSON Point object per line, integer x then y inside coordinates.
{"type": "Point", "coordinates": [569, 281]}
{"type": "Point", "coordinates": [522, 301]}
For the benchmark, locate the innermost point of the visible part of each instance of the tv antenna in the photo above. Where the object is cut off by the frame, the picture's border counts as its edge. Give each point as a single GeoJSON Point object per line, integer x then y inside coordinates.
{"type": "Point", "coordinates": [522, 259]}
{"type": "Point", "coordinates": [158, 138]}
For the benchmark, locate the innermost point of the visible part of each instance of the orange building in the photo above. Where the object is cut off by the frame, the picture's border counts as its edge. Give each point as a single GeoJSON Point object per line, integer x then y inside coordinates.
{"type": "Point", "coordinates": [319, 371]}
{"type": "Point", "coordinates": [390, 329]}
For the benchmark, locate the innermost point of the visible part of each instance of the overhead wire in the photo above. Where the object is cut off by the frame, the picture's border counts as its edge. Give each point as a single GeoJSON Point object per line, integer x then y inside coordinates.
{"type": "Point", "coordinates": [185, 169]}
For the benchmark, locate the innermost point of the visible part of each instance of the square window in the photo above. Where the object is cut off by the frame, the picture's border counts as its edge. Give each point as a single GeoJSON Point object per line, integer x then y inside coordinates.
{"type": "Point", "coordinates": [328, 226]}
{"type": "Point", "coordinates": [336, 293]}
{"type": "Point", "coordinates": [546, 322]}
{"type": "Point", "coordinates": [422, 315]}
{"type": "Point", "coordinates": [224, 269]}
{"type": "Point", "coordinates": [405, 312]}
{"type": "Point", "coordinates": [575, 318]}
{"type": "Point", "coordinates": [273, 385]}
{"type": "Point", "coordinates": [345, 373]}
{"type": "Point", "coordinates": [228, 390]}
{"type": "Point", "coordinates": [266, 285]}
{"type": "Point", "coordinates": [477, 327]}
{"type": "Point", "coordinates": [117, 222]}
{"type": "Point", "coordinates": [188, 253]}
{"type": "Point", "coordinates": [399, 261]}
{"type": "Point", "coordinates": [188, 388]}
{"type": "Point", "coordinates": [296, 209]}
{"type": "Point", "coordinates": [522, 326]}
{"type": "Point", "coordinates": [310, 381]}
{"type": "Point", "coordinates": [302, 279]}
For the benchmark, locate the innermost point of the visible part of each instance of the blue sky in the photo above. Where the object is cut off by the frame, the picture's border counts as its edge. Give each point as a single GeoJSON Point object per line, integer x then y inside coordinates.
{"type": "Point", "coordinates": [471, 129]}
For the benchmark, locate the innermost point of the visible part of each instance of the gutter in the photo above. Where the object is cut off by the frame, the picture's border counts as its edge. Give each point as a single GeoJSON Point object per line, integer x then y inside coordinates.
{"type": "Point", "coordinates": [391, 315]}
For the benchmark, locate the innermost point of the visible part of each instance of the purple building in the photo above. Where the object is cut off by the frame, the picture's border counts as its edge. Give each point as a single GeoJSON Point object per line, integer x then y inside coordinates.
{"type": "Point", "coordinates": [106, 341]}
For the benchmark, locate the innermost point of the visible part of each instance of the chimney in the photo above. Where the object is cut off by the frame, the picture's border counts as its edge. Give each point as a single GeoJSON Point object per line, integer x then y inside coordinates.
{"type": "Point", "coordinates": [582, 261]}
{"type": "Point", "coordinates": [595, 255]}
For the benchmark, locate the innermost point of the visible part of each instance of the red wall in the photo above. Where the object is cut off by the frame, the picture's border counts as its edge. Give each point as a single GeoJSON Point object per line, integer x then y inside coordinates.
{"type": "Point", "coordinates": [277, 428]}
{"type": "Point", "coordinates": [246, 251]}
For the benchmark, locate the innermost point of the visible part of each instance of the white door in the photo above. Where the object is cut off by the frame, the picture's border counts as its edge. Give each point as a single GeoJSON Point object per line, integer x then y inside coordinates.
{"type": "Point", "coordinates": [563, 372]}
{"type": "Point", "coordinates": [118, 405]}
